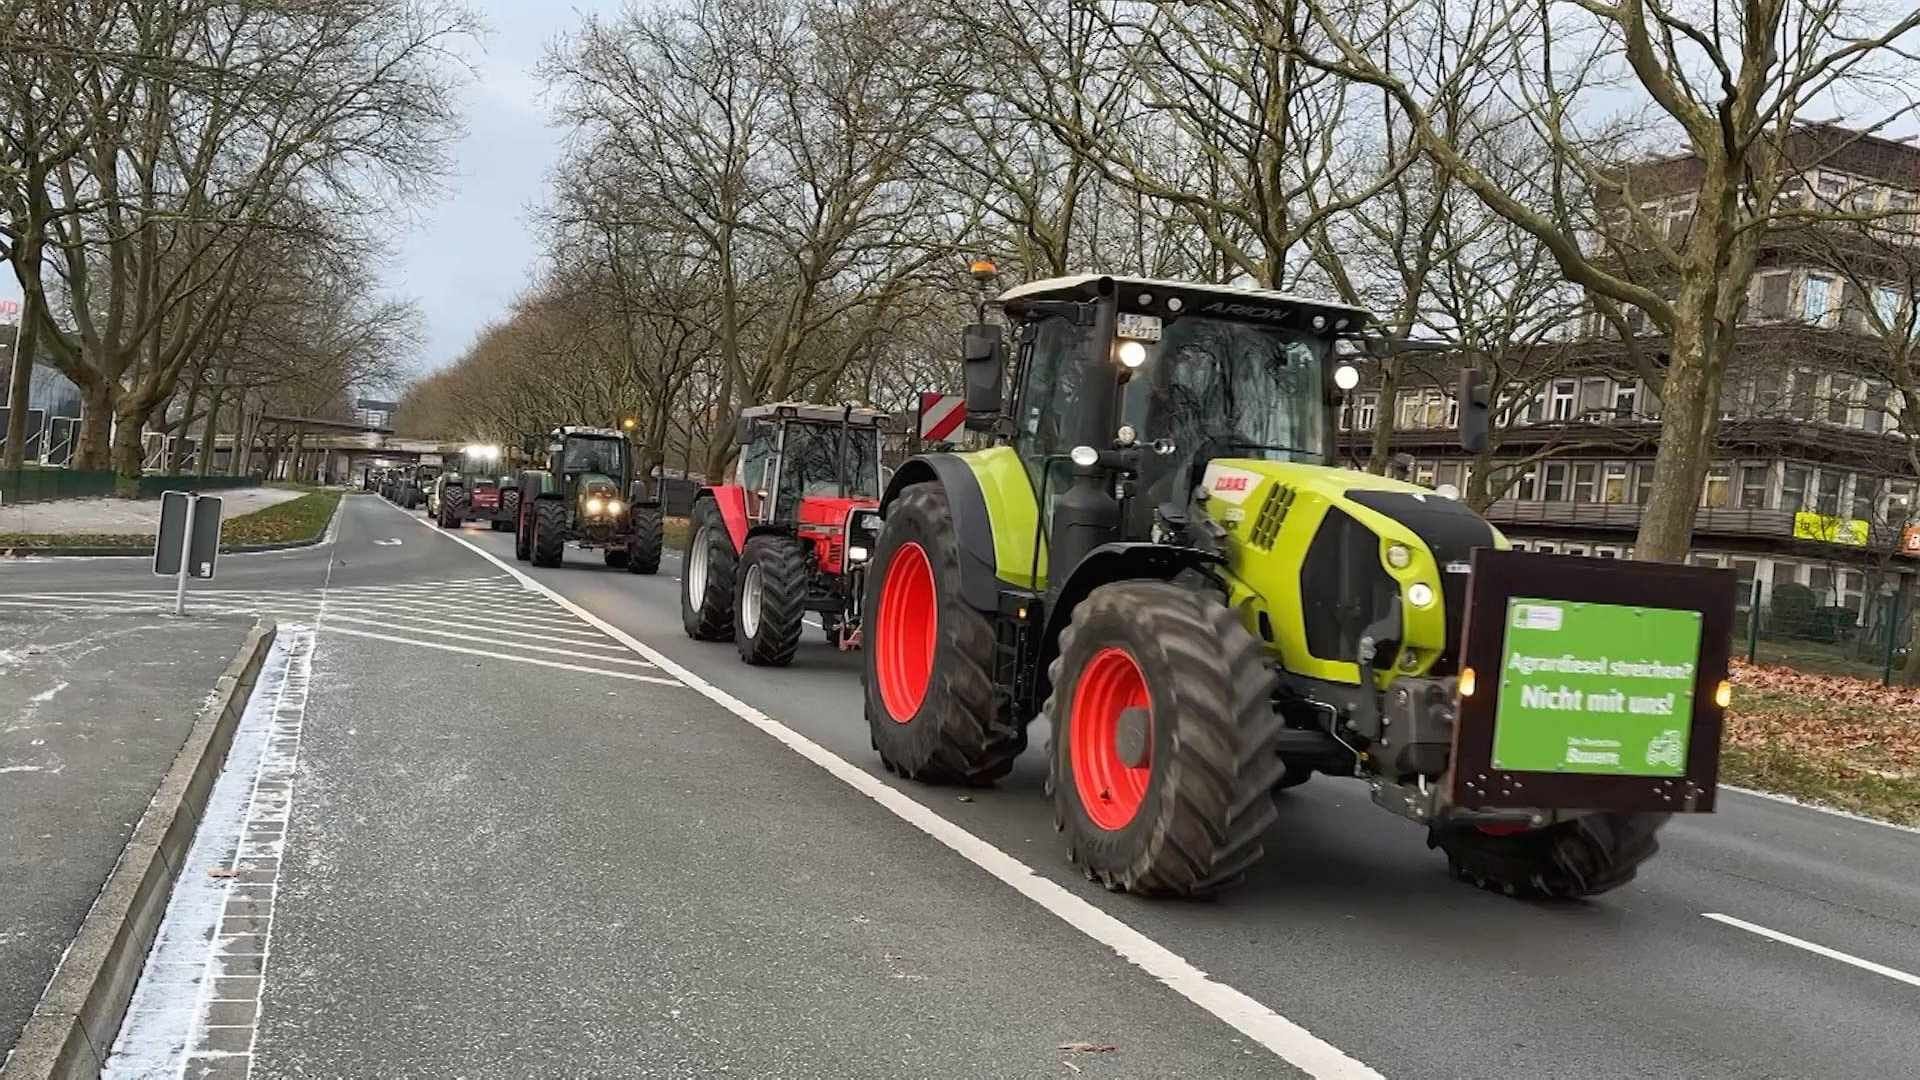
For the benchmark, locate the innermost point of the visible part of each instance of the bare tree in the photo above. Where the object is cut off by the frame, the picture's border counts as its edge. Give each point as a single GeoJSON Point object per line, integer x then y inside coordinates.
{"type": "Point", "coordinates": [1732, 81]}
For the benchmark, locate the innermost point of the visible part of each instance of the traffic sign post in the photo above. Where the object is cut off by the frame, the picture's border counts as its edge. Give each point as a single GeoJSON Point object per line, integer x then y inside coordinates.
{"type": "Point", "coordinates": [189, 541]}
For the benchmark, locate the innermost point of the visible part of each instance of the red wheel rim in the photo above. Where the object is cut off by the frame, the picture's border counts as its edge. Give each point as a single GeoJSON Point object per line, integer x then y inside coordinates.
{"type": "Point", "coordinates": [906, 627]}
{"type": "Point", "coordinates": [1110, 789]}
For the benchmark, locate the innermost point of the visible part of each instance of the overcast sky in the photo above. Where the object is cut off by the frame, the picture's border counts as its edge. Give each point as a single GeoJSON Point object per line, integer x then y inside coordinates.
{"type": "Point", "coordinates": [465, 257]}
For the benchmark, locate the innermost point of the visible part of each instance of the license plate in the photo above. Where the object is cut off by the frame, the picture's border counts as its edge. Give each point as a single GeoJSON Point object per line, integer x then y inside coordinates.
{"type": "Point", "coordinates": [1137, 327]}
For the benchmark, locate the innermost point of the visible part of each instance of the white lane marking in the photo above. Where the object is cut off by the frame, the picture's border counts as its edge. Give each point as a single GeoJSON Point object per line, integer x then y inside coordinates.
{"type": "Point", "coordinates": [331, 629]}
{"type": "Point", "coordinates": [391, 541]}
{"type": "Point", "coordinates": [585, 637]}
{"type": "Point", "coordinates": [334, 616]}
{"type": "Point", "coordinates": [1817, 808]}
{"type": "Point", "coordinates": [1294, 1044]}
{"type": "Point", "coordinates": [520, 617]}
{"type": "Point", "coordinates": [1820, 950]}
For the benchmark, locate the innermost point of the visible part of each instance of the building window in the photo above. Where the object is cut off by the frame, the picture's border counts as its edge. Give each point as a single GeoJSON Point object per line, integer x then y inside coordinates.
{"type": "Point", "coordinates": [1623, 400]}
{"type": "Point", "coordinates": [1447, 474]}
{"type": "Point", "coordinates": [1820, 580]}
{"type": "Point", "coordinates": [1753, 486]}
{"type": "Point", "coordinates": [1898, 507]}
{"type": "Point", "coordinates": [1816, 300]}
{"type": "Point", "coordinates": [1553, 482]}
{"type": "Point", "coordinates": [1800, 404]}
{"type": "Point", "coordinates": [1613, 482]}
{"type": "Point", "coordinates": [1715, 491]}
{"type": "Point", "coordinates": [1743, 574]}
{"type": "Point", "coordinates": [1839, 399]}
{"type": "Point", "coordinates": [1770, 294]}
{"type": "Point", "coordinates": [1547, 547]}
{"type": "Point", "coordinates": [1561, 404]}
{"type": "Point", "coordinates": [1606, 552]}
{"type": "Point", "coordinates": [1873, 413]}
{"type": "Point", "coordinates": [1831, 496]}
{"type": "Point", "coordinates": [1586, 479]}
{"type": "Point", "coordinates": [1793, 488]}
{"type": "Point", "coordinates": [1643, 483]}
{"type": "Point", "coordinates": [1595, 396]}
{"type": "Point", "coordinates": [1365, 408]}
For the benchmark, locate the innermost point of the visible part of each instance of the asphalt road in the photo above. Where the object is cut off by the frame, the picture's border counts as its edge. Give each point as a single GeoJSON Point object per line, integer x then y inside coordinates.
{"type": "Point", "coordinates": [506, 862]}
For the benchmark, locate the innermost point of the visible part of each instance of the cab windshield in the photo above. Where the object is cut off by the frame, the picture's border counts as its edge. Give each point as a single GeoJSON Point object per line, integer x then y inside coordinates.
{"type": "Point", "coordinates": [1225, 389]}
{"type": "Point", "coordinates": [593, 455]}
{"type": "Point", "coordinates": [811, 461]}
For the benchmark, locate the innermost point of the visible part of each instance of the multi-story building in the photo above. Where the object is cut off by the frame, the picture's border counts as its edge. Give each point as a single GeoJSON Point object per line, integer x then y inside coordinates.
{"type": "Point", "coordinates": [1814, 479]}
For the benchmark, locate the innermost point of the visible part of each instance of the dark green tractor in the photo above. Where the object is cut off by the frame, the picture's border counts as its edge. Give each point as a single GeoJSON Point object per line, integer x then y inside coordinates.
{"type": "Point", "coordinates": [587, 496]}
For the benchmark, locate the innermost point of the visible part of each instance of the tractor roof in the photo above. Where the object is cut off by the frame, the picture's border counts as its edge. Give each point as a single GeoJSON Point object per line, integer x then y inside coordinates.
{"type": "Point", "coordinates": [590, 432]}
{"type": "Point", "coordinates": [1149, 296]}
{"type": "Point", "coordinates": [796, 410]}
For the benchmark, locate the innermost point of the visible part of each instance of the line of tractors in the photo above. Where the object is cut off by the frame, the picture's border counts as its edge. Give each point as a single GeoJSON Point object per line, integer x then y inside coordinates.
{"type": "Point", "coordinates": [1159, 557]}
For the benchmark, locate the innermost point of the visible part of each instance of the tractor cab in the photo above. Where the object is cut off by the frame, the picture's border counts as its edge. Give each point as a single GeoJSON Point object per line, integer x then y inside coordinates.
{"type": "Point", "coordinates": [792, 455]}
{"type": "Point", "coordinates": [593, 467]}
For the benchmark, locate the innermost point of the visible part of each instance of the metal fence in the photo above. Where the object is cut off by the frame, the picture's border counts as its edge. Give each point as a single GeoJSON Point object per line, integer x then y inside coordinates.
{"type": "Point", "coordinates": [1795, 627]}
{"type": "Point", "coordinates": [49, 485]}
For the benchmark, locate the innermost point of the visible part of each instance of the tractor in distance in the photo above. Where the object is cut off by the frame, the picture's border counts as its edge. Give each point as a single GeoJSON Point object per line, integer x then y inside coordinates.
{"type": "Point", "coordinates": [390, 483]}
{"type": "Point", "coordinates": [507, 514]}
{"type": "Point", "coordinates": [791, 534]}
{"type": "Point", "coordinates": [587, 495]}
{"type": "Point", "coordinates": [1160, 559]}
{"type": "Point", "coordinates": [465, 490]}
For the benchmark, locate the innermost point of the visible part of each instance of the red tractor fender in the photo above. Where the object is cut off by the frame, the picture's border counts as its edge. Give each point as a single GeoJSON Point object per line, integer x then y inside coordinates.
{"type": "Point", "coordinates": [731, 501]}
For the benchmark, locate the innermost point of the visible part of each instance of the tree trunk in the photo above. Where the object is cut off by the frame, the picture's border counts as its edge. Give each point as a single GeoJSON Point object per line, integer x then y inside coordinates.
{"type": "Point", "coordinates": [177, 451]}
{"type": "Point", "coordinates": [1386, 413]}
{"type": "Point", "coordinates": [128, 453]}
{"type": "Point", "coordinates": [1689, 419]}
{"type": "Point", "coordinates": [293, 459]}
{"type": "Point", "coordinates": [19, 388]}
{"type": "Point", "coordinates": [209, 435]}
{"type": "Point", "coordinates": [91, 446]}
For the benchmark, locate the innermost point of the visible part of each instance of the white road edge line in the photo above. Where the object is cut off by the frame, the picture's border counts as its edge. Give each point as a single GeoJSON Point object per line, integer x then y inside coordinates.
{"type": "Point", "coordinates": [1292, 1043]}
{"type": "Point", "coordinates": [331, 629]}
{"type": "Point", "coordinates": [1831, 811]}
{"type": "Point", "coordinates": [1820, 950]}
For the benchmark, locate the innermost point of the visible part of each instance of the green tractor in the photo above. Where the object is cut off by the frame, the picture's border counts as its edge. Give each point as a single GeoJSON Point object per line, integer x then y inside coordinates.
{"type": "Point", "coordinates": [587, 496]}
{"type": "Point", "coordinates": [1160, 559]}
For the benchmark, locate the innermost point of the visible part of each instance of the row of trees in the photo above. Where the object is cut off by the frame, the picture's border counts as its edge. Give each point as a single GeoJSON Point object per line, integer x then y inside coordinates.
{"type": "Point", "coordinates": [771, 198]}
{"type": "Point", "coordinates": [193, 193]}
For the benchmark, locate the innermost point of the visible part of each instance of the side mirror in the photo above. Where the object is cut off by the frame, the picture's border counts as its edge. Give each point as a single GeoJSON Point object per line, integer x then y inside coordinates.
{"type": "Point", "coordinates": [985, 357]}
{"type": "Point", "coordinates": [1473, 398]}
{"type": "Point", "coordinates": [742, 431]}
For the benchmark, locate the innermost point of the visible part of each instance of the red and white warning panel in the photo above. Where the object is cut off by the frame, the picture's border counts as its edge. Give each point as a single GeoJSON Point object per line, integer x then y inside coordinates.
{"type": "Point", "coordinates": [941, 416]}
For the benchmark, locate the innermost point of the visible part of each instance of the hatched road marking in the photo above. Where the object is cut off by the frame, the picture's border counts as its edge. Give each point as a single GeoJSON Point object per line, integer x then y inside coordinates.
{"type": "Point", "coordinates": [498, 619]}
{"type": "Point", "coordinates": [1292, 1043]}
{"type": "Point", "coordinates": [1818, 950]}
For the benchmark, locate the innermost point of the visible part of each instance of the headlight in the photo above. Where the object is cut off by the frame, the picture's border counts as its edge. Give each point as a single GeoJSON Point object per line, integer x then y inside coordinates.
{"type": "Point", "coordinates": [1420, 594]}
{"type": "Point", "coordinates": [596, 504]}
{"type": "Point", "coordinates": [614, 506]}
{"type": "Point", "coordinates": [856, 554]}
{"type": "Point", "coordinates": [1399, 556]}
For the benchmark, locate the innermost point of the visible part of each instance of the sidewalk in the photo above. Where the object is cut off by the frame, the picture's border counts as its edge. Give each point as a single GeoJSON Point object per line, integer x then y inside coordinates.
{"type": "Point", "coordinates": [125, 516]}
{"type": "Point", "coordinates": [93, 710]}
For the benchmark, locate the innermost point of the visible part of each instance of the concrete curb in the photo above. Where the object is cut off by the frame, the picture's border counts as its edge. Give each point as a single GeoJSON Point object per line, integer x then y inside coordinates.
{"type": "Point", "coordinates": [73, 1027]}
{"type": "Point", "coordinates": [235, 549]}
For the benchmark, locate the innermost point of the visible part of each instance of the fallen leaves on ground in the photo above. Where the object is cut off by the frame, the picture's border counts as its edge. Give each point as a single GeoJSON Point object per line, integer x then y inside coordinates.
{"type": "Point", "coordinates": [1830, 738]}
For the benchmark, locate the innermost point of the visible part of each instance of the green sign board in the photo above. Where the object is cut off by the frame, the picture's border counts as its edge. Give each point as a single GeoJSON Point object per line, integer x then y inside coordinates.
{"type": "Point", "coordinates": [1596, 688]}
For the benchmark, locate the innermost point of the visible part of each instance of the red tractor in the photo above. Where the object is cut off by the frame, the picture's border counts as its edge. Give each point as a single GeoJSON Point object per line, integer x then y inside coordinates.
{"type": "Point", "coordinates": [791, 534]}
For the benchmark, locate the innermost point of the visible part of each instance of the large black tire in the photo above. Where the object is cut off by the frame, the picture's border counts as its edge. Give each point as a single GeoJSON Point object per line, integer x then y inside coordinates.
{"type": "Point", "coordinates": [453, 508]}
{"type": "Point", "coordinates": [957, 731]}
{"type": "Point", "coordinates": [708, 617]}
{"type": "Point", "coordinates": [643, 544]}
{"type": "Point", "coordinates": [615, 558]}
{"type": "Point", "coordinates": [509, 516]}
{"type": "Point", "coordinates": [549, 532]}
{"type": "Point", "coordinates": [1195, 823]}
{"type": "Point", "coordinates": [522, 532]}
{"type": "Point", "coordinates": [1583, 857]}
{"type": "Point", "coordinates": [766, 629]}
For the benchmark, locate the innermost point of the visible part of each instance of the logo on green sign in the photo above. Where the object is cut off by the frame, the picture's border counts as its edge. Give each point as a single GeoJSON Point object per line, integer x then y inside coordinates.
{"type": "Point", "coordinates": [1595, 688]}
